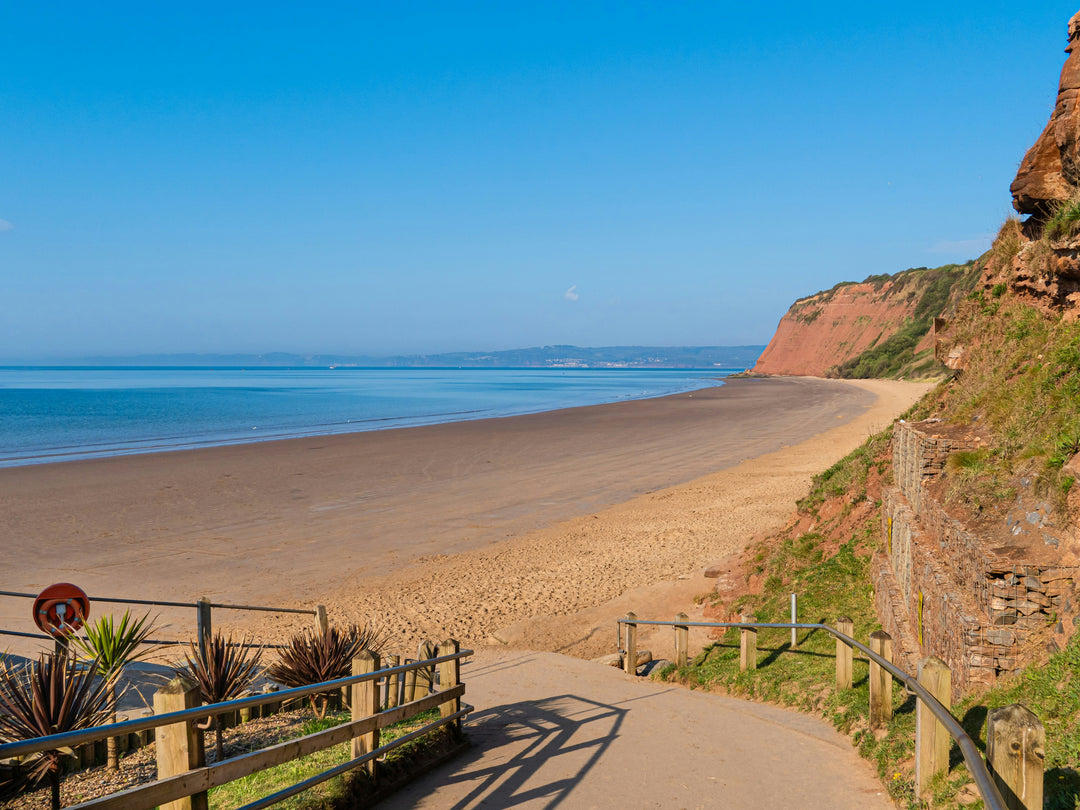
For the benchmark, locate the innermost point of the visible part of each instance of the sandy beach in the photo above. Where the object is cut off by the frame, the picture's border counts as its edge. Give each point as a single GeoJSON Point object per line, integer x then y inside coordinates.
{"type": "Point", "coordinates": [523, 531]}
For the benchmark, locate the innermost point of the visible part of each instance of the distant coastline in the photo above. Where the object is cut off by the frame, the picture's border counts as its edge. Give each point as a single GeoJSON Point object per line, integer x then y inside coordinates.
{"type": "Point", "coordinates": [673, 357]}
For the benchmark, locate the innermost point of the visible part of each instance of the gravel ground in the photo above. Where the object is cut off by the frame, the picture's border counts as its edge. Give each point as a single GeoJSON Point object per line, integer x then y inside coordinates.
{"type": "Point", "coordinates": [140, 766]}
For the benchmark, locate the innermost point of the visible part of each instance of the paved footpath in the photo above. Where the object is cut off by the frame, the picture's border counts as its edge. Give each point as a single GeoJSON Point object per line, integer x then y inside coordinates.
{"type": "Point", "coordinates": [553, 731]}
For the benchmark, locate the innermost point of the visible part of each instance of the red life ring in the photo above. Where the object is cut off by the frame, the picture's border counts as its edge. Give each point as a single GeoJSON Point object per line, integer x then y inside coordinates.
{"type": "Point", "coordinates": [61, 609]}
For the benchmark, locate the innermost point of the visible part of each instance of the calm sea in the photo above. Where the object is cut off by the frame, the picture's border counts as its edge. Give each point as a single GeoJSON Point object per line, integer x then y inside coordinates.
{"type": "Point", "coordinates": [59, 414]}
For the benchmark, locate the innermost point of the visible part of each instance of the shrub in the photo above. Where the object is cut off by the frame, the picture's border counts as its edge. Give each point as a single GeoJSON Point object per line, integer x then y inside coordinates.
{"type": "Point", "coordinates": [49, 696]}
{"type": "Point", "coordinates": [114, 646]}
{"type": "Point", "coordinates": [313, 657]}
{"type": "Point", "coordinates": [224, 669]}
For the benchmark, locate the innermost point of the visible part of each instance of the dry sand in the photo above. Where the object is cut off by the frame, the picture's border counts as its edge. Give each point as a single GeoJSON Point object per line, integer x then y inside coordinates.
{"type": "Point", "coordinates": [532, 531]}
{"type": "Point", "coordinates": [560, 589]}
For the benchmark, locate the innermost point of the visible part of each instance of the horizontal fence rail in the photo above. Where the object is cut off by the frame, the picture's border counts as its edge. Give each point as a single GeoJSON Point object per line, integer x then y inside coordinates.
{"type": "Point", "coordinates": [158, 603]}
{"type": "Point", "coordinates": [972, 757]}
{"type": "Point", "coordinates": [193, 777]}
{"type": "Point", "coordinates": [70, 739]}
{"type": "Point", "coordinates": [159, 642]}
{"type": "Point", "coordinates": [115, 601]}
{"type": "Point", "coordinates": [203, 611]}
{"type": "Point", "coordinates": [301, 611]}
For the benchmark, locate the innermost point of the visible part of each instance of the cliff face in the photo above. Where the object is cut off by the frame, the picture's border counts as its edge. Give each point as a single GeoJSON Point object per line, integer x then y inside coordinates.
{"type": "Point", "coordinates": [822, 331]}
{"type": "Point", "coordinates": [1050, 171]}
{"type": "Point", "coordinates": [878, 328]}
{"type": "Point", "coordinates": [1039, 259]}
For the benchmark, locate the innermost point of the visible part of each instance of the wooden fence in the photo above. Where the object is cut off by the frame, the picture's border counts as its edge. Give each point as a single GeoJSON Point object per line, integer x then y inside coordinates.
{"type": "Point", "coordinates": [1011, 776]}
{"type": "Point", "coordinates": [183, 775]}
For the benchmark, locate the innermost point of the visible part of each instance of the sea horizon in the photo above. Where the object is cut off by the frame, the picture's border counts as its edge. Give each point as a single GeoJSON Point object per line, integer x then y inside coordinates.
{"type": "Point", "coordinates": [56, 413]}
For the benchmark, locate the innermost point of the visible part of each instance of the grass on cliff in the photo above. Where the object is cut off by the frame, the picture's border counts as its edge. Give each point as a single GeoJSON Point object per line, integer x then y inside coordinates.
{"type": "Point", "coordinates": [1065, 221]}
{"type": "Point", "coordinates": [937, 291]}
{"type": "Point", "coordinates": [1021, 389]}
{"type": "Point", "coordinates": [1052, 692]}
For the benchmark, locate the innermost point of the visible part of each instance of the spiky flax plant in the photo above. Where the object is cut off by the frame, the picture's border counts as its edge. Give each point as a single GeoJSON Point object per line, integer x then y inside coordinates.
{"type": "Point", "coordinates": [50, 696]}
{"type": "Point", "coordinates": [314, 657]}
{"type": "Point", "coordinates": [114, 645]}
{"type": "Point", "coordinates": [224, 670]}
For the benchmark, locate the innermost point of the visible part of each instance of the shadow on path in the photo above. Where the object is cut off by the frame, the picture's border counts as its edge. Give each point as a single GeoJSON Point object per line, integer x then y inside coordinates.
{"type": "Point", "coordinates": [547, 744]}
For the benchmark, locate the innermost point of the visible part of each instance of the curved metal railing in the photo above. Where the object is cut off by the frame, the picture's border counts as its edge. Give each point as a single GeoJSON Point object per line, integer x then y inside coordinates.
{"type": "Point", "coordinates": [972, 757]}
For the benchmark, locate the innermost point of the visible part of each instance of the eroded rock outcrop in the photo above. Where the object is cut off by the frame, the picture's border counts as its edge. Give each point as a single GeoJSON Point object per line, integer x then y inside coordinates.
{"type": "Point", "coordinates": [1039, 258]}
{"type": "Point", "coordinates": [1050, 171]}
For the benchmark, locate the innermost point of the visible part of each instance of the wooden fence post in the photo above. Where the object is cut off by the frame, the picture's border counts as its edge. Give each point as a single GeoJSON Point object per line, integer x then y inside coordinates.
{"type": "Point", "coordinates": [410, 682]}
{"type": "Point", "coordinates": [748, 645]}
{"type": "Point", "coordinates": [449, 677]}
{"type": "Point", "coordinates": [392, 682]}
{"type": "Point", "coordinates": [179, 745]}
{"type": "Point", "coordinates": [682, 641]}
{"type": "Point", "coordinates": [365, 703]}
{"type": "Point", "coordinates": [844, 653]}
{"type": "Point", "coordinates": [880, 680]}
{"type": "Point", "coordinates": [1015, 753]}
{"type": "Point", "coordinates": [931, 738]}
{"type": "Point", "coordinates": [269, 709]}
{"type": "Point", "coordinates": [322, 621]}
{"type": "Point", "coordinates": [630, 658]}
{"type": "Point", "coordinates": [203, 626]}
{"type": "Point", "coordinates": [425, 678]}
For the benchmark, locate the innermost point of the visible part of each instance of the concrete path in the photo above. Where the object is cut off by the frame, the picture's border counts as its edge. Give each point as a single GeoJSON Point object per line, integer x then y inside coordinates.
{"type": "Point", "coordinates": [553, 731]}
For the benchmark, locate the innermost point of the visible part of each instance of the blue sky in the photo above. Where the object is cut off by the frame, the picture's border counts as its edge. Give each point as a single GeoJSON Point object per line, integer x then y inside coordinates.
{"type": "Point", "coordinates": [401, 177]}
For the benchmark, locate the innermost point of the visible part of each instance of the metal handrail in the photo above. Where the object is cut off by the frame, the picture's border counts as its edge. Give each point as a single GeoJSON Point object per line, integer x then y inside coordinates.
{"type": "Point", "coordinates": [114, 601]}
{"type": "Point", "coordinates": [69, 739]}
{"type": "Point", "coordinates": [153, 603]}
{"type": "Point", "coordinates": [974, 760]}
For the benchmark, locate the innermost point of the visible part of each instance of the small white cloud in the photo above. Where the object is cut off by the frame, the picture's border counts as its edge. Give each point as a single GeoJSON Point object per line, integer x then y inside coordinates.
{"type": "Point", "coordinates": [6, 226]}
{"type": "Point", "coordinates": [978, 245]}
{"type": "Point", "coordinates": [571, 294]}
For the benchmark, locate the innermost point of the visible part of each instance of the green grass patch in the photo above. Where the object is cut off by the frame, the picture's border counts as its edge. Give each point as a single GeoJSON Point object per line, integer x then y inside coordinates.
{"type": "Point", "coordinates": [1065, 222]}
{"type": "Point", "coordinates": [849, 476]}
{"type": "Point", "coordinates": [336, 791]}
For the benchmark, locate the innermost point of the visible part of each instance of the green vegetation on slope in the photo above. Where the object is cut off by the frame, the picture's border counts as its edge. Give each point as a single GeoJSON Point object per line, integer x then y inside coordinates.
{"type": "Point", "coordinates": [936, 291]}
{"type": "Point", "coordinates": [1052, 691]}
{"type": "Point", "coordinates": [1021, 388]}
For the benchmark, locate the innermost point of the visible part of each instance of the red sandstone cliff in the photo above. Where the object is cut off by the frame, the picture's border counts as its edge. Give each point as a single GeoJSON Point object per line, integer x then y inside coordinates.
{"type": "Point", "coordinates": [1039, 259]}
{"type": "Point", "coordinates": [1050, 171]}
{"type": "Point", "coordinates": [826, 329]}
{"type": "Point", "coordinates": [881, 327]}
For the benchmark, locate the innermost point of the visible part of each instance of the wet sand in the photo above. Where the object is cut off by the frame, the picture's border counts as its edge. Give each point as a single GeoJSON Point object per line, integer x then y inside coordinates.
{"type": "Point", "coordinates": [463, 529]}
